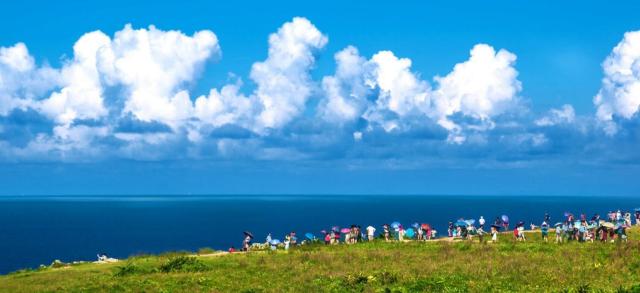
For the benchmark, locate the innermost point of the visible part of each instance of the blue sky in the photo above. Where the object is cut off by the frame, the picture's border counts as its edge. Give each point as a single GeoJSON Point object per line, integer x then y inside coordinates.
{"type": "Point", "coordinates": [357, 97]}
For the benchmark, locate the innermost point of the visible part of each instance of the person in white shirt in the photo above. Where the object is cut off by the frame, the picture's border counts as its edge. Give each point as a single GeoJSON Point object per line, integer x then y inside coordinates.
{"type": "Point", "coordinates": [370, 232]}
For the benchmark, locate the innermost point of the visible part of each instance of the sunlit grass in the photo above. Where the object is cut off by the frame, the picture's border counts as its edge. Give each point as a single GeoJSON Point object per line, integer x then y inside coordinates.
{"type": "Point", "coordinates": [368, 267]}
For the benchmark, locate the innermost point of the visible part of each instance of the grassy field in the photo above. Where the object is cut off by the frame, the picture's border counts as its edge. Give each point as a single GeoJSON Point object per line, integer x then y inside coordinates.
{"type": "Point", "coordinates": [507, 266]}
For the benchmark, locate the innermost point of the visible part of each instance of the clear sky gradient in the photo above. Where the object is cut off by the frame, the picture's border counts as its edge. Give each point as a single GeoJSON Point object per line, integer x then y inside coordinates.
{"type": "Point", "coordinates": [558, 50]}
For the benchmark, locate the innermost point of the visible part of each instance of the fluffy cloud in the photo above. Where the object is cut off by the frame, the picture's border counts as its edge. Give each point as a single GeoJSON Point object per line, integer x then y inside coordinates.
{"type": "Point", "coordinates": [81, 94]}
{"type": "Point", "coordinates": [127, 95]}
{"type": "Point", "coordinates": [154, 66]}
{"type": "Point", "coordinates": [345, 91]}
{"type": "Point", "coordinates": [20, 80]}
{"type": "Point", "coordinates": [565, 115]}
{"type": "Point", "coordinates": [484, 86]}
{"type": "Point", "coordinates": [283, 83]}
{"type": "Point", "coordinates": [480, 88]}
{"type": "Point", "coordinates": [283, 78]}
{"type": "Point", "coordinates": [620, 92]}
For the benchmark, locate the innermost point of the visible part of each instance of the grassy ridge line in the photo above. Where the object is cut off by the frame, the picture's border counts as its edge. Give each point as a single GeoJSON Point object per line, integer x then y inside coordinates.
{"type": "Point", "coordinates": [403, 267]}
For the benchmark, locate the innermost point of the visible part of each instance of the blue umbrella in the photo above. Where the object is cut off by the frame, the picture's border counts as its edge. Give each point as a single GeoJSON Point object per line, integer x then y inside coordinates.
{"type": "Point", "coordinates": [461, 223]}
{"type": "Point", "coordinates": [558, 224]}
{"type": "Point", "coordinates": [470, 222]}
{"type": "Point", "coordinates": [505, 218]}
{"type": "Point", "coordinates": [310, 236]}
{"type": "Point", "coordinates": [636, 210]}
{"type": "Point", "coordinates": [415, 225]}
{"type": "Point", "coordinates": [409, 233]}
{"type": "Point", "coordinates": [275, 242]}
{"type": "Point", "coordinates": [395, 225]}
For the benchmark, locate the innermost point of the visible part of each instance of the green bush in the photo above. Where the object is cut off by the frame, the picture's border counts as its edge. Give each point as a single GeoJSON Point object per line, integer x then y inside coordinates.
{"type": "Point", "coordinates": [184, 264]}
{"type": "Point", "coordinates": [131, 268]}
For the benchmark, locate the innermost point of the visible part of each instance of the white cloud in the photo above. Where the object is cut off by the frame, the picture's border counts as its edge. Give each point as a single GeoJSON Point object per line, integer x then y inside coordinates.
{"type": "Point", "coordinates": [81, 93]}
{"type": "Point", "coordinates": [283, 81]}
{"type": "Point", "coordinates": [357, 136]}
{"type": "Point", "coordinates": [20, 80]}
{"type": "Point", "coordinates": [154, 66]}
{"type": "Point", "coordinates": [345, 91]}
{"type": "Point", "coordinates": [482, 87]}
{"type": "Point", "coordinates": [17, 58]}
{"type": "Point", "coordinates": [226, 106]}
{"type": "Point", "coordinates": [620, 92]}
{"type": "Point", "coordinates": [565, 115]}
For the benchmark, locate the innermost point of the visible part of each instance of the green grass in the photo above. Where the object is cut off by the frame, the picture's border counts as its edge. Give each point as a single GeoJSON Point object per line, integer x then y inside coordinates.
{"type": "Point", "coordinates": [369, 267]}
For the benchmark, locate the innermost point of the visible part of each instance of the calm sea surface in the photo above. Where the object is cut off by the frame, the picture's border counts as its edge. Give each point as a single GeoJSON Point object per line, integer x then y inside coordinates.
{"type": "Point", "coordinates": [37, 230]}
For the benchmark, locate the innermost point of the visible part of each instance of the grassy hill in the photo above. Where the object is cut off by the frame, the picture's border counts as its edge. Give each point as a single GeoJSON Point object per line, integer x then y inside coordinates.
{"type": "Point", "coordinates": [533, 266]}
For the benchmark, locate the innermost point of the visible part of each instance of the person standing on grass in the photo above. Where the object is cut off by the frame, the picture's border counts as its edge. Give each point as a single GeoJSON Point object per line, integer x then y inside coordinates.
{"type": "Point", "coordinates": [287, 241]}
{"type": "Point", "coordinates": [494, 234]}
{"type": "Point", "coordinates": [637, 213]}
{"type": "Point", "coordinates": [559, 234]}
{"type": "Point", "coordinates": [386, 232]}
{"type": "Point", "coordinates": [521, 233]}
{"type": "Point", "coordinates": [294, 239]}
{"type": "Point", "coordinates": [481, 222]}
{"type": "Point", "coordinates": [371, 231]}
{"type": "Point", "coordinates": [401, 233]}
{"type": "Point", "coordinates": [627, 218]}
{"type": "Point", "coordinates": [544, 229]}
{"type": "Point", "coordinates": [246, 243]}
{"type": "Point", "coordinates": [450, 229]}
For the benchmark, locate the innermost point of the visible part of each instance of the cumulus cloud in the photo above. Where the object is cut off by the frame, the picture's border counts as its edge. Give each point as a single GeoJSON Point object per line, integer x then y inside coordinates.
{"type": "Point", "coordinates": [345, 91]}
{"type": "Point", "coordinates": [128, 95]}
{"type": "Point", "coordinates": [154, 66]}
{"type": "Point", "coordinates": [480, 88]}
{"type": "Point", "coordinates": [565, 115]}
{"type": "Point", "coordinates": [21, 81]}
{"type": "Point", "coordinates": [484, 86]}
{"type": "Point", "coordinates": [283, 78]}
{"type": "Point", "coordinates": [620, 92]}
{"type": "Point", "coordinates": [283, 83]}
{"type": "Point", "coordinates": [81, 94]}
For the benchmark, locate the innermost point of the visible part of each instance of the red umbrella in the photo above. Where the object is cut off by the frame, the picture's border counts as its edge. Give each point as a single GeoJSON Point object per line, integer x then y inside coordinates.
{"type": "Point", "coordinates": [426, 226]}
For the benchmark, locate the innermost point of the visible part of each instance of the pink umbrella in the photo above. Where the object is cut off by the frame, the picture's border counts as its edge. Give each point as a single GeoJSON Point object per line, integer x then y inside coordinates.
{"type": "Point", "coordinates": [345, 230]}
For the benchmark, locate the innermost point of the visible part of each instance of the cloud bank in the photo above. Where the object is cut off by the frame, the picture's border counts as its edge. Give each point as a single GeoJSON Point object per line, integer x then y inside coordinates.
{"type": "Point", "coordinates": [129, 96]}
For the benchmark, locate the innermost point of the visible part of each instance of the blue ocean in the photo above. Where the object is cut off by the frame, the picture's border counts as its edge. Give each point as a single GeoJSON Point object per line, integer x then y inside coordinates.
{"type": "Point", "coordinates": [38, 230]}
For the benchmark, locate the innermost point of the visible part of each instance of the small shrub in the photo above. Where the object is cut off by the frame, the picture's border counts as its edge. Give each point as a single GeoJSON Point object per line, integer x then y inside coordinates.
{"type": "Point", "coordinates": [130, 268]}
{"type": "Point", "coordinates": [184, 264]}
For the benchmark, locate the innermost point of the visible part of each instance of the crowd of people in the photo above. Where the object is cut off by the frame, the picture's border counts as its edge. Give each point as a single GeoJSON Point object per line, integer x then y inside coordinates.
{"type": "Point", "coordinates": [612, 227]}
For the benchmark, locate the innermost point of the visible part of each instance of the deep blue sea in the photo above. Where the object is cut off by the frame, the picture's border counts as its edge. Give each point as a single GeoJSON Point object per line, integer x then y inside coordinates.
{"type": "Point", "coordinates": [37, 230]}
